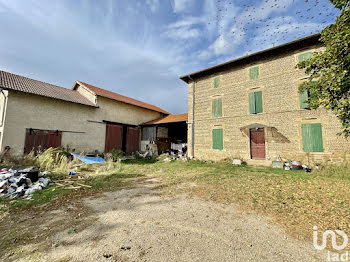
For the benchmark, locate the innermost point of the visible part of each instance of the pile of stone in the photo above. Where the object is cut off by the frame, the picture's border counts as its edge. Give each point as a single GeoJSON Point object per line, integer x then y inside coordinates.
{"type": "Point", "coordinates": [21, 181]}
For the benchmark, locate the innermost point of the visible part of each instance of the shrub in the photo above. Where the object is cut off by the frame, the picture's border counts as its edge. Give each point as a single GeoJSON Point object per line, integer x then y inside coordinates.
{"type": "Point", "coordinates": [114, 155]}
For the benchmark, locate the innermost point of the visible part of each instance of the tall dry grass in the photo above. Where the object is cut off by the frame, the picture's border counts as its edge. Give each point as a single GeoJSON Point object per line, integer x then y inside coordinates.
{"type": "Point", "coordinates": [53, 160]}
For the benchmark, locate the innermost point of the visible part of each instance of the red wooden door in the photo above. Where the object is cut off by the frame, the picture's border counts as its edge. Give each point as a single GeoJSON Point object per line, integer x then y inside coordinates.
{"type": "Point", "coordinates": [132, 140]}
{"type": "Point", "coordinates": [114, 137]}
{"type": "Point", "coordinates": [257, 143]}
{"type": "Point", "coordinates": [54, 139]}
{"type": "Point", "coordinates": [40, 140]}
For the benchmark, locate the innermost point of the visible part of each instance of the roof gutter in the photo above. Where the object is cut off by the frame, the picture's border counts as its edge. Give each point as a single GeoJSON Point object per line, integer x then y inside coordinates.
{"type": "Point", "coordinates": [309, 40]}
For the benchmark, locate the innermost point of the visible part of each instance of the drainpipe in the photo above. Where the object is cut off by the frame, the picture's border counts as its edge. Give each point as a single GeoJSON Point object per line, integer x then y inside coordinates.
{"type": "Point", "coordinates": [3, 108]}
{"type": "Point", "coordinates": [192, 129]}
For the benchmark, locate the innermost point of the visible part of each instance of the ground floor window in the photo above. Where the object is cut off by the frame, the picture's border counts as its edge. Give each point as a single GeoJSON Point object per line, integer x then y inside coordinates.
{"type": "Point", "coordinates": [312, 137]}
{"type": "Point", "coordinates": [218, 139]}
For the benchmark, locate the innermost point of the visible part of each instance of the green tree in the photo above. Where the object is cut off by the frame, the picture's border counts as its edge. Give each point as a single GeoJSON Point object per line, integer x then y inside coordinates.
{"type": "Point", "coordinates": [329, 70]}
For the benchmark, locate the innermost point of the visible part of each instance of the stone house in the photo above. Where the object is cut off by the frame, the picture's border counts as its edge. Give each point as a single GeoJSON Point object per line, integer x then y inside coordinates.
{"type": "Point", "coordinates": [86, 118]}
{"type": "Point", "coordinates": [251, 108]}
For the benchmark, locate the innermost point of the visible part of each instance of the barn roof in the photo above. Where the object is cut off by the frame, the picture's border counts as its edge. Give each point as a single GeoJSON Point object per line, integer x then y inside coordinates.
{"type": "Point", "coordinates": [19, 83]}
{"type": "Point", "coordinates": [118, 97]}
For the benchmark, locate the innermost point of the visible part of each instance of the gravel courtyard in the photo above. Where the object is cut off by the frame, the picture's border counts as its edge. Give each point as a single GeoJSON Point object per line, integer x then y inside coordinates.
{"type": "Point", "coordinates": [140, 224]}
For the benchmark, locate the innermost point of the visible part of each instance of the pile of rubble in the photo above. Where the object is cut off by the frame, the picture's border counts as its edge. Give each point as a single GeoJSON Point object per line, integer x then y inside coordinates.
{"type": "Point", "coordinates": [21, 181]}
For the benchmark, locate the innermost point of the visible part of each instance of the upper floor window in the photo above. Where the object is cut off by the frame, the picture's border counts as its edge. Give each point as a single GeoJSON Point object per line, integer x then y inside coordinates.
{"type": "Point", "coordinates": [217, 108]}
{"type": "Point", "coordinates": [254, 73]}
{"type": "Point", "coordinates": [216, 82]}
{"type": "Point", "coordinates": [304, 97]}
{"type": "Point", "coordinates": [305, 56]}
{"type": "Point", "coordinates": [255, 102]}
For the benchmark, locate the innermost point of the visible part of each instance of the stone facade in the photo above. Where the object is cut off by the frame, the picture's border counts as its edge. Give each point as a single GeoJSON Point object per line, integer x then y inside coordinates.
{"type": "Point", "coordinates": [282, 117]}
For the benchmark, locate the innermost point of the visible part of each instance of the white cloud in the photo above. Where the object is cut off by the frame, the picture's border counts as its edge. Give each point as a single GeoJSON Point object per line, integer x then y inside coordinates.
{"type": "Point", "coordinates": [120, 46]}
{"type": "Point", "coordinates": [72, 44]}
{"type": "Point", "coordinates": [186, 28]}
{"type": "Point", "coordinates": [182, 5]}
{"type": "Point", "coordinates": [183, 33]}
{"type": "Point", "coordinates": [153, 5]}
{"type": "Point", "coordinates": [187, 21]}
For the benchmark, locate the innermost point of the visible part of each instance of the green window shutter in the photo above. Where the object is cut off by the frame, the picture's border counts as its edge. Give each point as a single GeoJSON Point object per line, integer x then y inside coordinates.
{"type": "Point", "coordinates": [307, 138]}
{"type": "Point", "coordinates": [255, 102]}
{"type": "Point", "coordinates": [312, 137]}
{"type": "Point", "coordinates": [217, 108]}
{"type": "Point", "coordinates": [218, 139]}
{"type": "Point", "coordinates": [254, 73]}
{"type": "Point", "coordinates": [216, 82]}
{"type": "Point", "coordinates": [213, 110]}
{"type": "Point", "coordinates": [252, 103]}
{"type": "Point", "coordinates": [258, 102]}
{"type": "Point", "coordinates": [303, 99]}
{"type": "Point", "coordinates": [304, 57]}
{"type": "Point", "coordinates": [317, 139]}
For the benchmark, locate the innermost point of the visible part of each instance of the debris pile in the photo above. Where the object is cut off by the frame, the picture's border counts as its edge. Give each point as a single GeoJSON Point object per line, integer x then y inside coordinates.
{"type": "Point", "coordinates": [290, 165]}
{"type": "Point", "coordinates": [73, 182]}
{"type": "Point", "coordinates": [21, 181]}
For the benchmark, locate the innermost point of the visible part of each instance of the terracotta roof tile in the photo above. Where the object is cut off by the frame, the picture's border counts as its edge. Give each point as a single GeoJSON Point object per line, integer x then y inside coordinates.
{"type": "Point", "coordinates": [23, 84]}
{"type": "Point", "coordinates": [169, 119]}
{"type": "Point", "coordinates": [105, 93]}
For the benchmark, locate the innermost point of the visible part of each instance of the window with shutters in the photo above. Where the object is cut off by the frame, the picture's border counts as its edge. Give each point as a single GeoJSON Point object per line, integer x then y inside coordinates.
{"type": "Point", "coordinates": [312, 137]}
{"type": "Point", "coordinates": [218, 139]}
{"type": "Point", "coordinates": [255, 102]}
{"type": "Point", "coordinates": [217, 108]}
{"type": "Point", "coordinates": [305, 56]}
{"type": "Point", "coordinates": [254, 73]}
{"type": "Point", "coordinates": [216, 82]}
{"type": "Point", "coordinates": [303, 97]}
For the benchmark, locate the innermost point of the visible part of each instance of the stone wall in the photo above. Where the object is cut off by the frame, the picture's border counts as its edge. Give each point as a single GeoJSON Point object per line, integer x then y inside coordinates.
{"type": "Point", "coordinates": [278, 80]}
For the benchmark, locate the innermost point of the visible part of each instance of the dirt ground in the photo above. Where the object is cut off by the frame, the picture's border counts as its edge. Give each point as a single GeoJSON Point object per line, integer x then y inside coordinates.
{"type": "Point", "coordinates": [141, 224]}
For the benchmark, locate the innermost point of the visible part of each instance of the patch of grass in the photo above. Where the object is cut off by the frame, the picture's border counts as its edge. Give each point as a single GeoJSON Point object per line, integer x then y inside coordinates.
{"type": "Point", "coordinates": [106, 181]}
{"type": "Point", "coordinates": [39, 198]}
{"type": "Point", "coordinates": [72, 230]}
{"type": "Point", "coordinates": [110, 182]}
{"type": "Point", "coordinates": [295, 199]}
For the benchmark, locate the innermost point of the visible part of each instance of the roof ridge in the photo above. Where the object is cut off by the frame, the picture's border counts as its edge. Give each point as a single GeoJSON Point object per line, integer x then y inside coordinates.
{"type": "Point", "coordinates": [26, 77]}
{"type": "Point", "coordinates": [25, 84]}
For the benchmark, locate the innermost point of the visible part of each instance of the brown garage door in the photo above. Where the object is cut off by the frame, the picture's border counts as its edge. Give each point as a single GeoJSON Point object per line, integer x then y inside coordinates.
{"type": "Point", "coordinates": [41, 139]}
{"type": "Point", "coordinates": [257, 143]}
{"type": "Point", "coordinates": [114, 137]}
{"type": "Point", "coordinates": [132, 140]}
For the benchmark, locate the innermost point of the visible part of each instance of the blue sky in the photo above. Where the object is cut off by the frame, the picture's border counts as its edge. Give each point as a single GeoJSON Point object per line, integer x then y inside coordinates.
{"type": "Point", "coordinates": [140, 48]}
